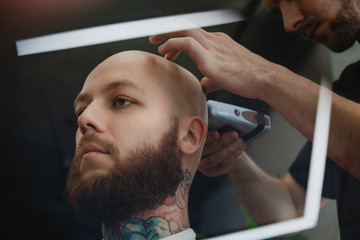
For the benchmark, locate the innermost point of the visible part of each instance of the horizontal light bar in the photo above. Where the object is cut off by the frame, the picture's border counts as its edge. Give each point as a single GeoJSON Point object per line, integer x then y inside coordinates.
{"type": "Point", "coordinates": [123, 31]}
{"type": "Point", "coordinates": [268, 231]}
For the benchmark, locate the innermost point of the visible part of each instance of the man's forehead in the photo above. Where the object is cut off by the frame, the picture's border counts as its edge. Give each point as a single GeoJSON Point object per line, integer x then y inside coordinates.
{"type": "Point", "coordinates": [132, 68]}
{"type": "Point", "coordinates": [139, 70]}
{"type": "Point", "coordinates": [133, 64]}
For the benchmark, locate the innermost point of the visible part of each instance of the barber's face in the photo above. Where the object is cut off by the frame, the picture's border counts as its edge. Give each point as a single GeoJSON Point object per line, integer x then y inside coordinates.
{"type": "Point", "coordinates": [332, 23]}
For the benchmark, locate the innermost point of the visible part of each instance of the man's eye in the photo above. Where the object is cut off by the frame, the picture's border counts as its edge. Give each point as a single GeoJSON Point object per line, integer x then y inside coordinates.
{"type": "Point", "coordinates": [120, 102]}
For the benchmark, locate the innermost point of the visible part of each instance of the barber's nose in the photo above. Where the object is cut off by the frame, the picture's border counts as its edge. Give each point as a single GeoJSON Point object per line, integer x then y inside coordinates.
{"type": "Point", "coordinates": [91, 120]}
{"type": "Point", "coordinates": [292, 16]}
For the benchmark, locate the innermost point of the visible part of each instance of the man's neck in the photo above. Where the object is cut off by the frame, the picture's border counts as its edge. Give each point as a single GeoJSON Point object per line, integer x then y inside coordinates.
{"type": "Point", "coordinates": [168, 219]}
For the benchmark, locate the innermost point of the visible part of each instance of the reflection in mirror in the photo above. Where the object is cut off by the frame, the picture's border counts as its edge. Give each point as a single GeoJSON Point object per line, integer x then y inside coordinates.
{"type": "Point", "coordinates": [311, 205]}
{"type": "Point", "coordinates": [215, 208]}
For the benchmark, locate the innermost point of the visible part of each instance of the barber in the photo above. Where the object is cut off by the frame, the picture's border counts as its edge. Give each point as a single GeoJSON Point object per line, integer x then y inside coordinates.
{"type": "Point", "coordinates": [228, 65]}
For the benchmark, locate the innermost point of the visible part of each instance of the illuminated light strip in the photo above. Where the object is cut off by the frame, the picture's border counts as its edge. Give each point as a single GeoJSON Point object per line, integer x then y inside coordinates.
{"type": "Point", "coordinates": [318, 155]}
{"type": "Point", "coordinates": [315, 181]}
{"type": "Point", "coordinates": [123, 31]}
{"type": "Point", "coordinates": [147, 27]}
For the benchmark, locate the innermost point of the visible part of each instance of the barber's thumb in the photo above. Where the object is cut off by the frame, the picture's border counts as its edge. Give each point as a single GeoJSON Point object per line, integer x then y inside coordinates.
{"type": "Point", "coordinates": [208, 85]}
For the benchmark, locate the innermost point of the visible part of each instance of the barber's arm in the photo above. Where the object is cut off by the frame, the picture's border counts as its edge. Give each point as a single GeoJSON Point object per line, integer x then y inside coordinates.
{"type": "Point", "coordinates": [267, 199]}
{"type": "Point", "coordinates": [228, 65]}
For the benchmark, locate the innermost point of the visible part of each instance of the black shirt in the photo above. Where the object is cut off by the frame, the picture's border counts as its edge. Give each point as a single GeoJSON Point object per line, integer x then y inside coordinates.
{"type": "Point", "coordinates": [338, 184]}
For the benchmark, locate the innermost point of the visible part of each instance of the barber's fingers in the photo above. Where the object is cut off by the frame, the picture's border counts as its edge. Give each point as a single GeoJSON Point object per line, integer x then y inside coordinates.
{"type": "Point", "coordinates": [172, 55]}
{"type": "Point", "coordinates": [212, 136]}
{"type": "Point", "coordinates": [217, 165]}
{"type": "Point", "coordinates": [214, 141]}
{"type": "Point", "coordinates": [222, 154]}
{"type": "Point", "coordinates": [186, 44]}
{"type": "Point", "coordinates": [208, 85]}
{"type": "Point", "coordinates": [222, 151]}
{"type": "Point", "coordinates": [196, 33]}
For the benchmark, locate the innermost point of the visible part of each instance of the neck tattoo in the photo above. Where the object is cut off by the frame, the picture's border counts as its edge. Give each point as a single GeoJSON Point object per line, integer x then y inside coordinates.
{"type": "Point", "coordinates": [163, 224]}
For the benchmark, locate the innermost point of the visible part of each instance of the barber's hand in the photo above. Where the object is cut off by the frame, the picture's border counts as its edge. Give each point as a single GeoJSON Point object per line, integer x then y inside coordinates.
{"type": "Point", "coordinates": [223, 62]}
{"type": "Point", "coordinates": [220, 153]}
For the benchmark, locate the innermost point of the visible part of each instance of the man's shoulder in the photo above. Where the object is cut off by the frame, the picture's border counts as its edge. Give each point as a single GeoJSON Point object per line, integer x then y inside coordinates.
{"type": "Point", "coordinates": [350, 71]}
{"type": "Point", "coordinates": [348, 85]}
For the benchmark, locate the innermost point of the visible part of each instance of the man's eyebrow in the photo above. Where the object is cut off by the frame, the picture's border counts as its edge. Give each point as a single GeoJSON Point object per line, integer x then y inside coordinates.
{"type": "Point", "coordinates": [110, 86]}
{"type": "Point", "coordinates": [121, 83]}
{"type": "Point", "coordinates": [82, 97]}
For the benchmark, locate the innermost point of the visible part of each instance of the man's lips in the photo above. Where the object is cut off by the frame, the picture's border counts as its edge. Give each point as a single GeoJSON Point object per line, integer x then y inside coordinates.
{"type": "Point", "coordinates": [311, 33]}
{"type": "Point", "coordinates": [92, 148]}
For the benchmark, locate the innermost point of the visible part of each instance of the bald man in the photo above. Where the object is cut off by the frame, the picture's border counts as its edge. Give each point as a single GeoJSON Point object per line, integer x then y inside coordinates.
{"type": "Point", "coordinates": [142, 123]}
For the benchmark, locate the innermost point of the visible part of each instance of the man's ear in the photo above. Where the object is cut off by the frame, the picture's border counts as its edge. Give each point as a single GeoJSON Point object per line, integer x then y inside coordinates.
{"type": "Point", "coordinates": [194, 131]}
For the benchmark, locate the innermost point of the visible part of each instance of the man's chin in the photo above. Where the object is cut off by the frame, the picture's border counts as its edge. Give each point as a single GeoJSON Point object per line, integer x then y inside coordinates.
{"type": "Point", "coordinates": [96, 161]}
{"type": "Point", "coordinates": [338, 48]}
{"type": "Point", "coordinates": [339, 44]}
{"type": "Point", "coordinates": [93, 174]}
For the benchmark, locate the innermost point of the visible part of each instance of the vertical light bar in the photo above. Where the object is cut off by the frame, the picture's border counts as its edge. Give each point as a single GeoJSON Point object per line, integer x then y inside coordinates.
{"type": "Point", "coordinates": [315, 181]}
{"type": "Point", "coordinates": [318, 155]}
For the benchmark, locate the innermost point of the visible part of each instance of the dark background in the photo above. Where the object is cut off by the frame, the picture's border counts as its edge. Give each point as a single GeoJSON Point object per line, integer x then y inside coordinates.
{"type": "Point", "coordinates": [38, 124]}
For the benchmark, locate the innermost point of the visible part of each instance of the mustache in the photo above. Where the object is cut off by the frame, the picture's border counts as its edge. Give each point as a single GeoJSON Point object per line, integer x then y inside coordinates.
{"type": "Point", "coordinates": [307, 28]}
{"type": "Point", "coordinates": [98, 141]}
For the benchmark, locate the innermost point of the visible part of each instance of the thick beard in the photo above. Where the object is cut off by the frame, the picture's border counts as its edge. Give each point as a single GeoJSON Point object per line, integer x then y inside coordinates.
{"type": "Point", "coordinates": [138, 183]}
{"type": "Point", "coordinates": [345, 27]}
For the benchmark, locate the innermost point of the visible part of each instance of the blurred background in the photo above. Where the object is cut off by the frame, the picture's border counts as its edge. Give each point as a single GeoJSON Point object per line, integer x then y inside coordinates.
{"type": "Point", "coordinates": [37, 124]}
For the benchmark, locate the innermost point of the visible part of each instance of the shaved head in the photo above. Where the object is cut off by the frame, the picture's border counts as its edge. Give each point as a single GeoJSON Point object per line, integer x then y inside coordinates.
{"type": "Point", "coordinates": [182, 88]}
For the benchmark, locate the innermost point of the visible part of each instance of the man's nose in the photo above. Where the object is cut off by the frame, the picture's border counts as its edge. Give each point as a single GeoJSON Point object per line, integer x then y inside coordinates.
{"type": "Point", "coordinates": [91, 120]}
{"type": "Point", "coordinates": [293, 16]}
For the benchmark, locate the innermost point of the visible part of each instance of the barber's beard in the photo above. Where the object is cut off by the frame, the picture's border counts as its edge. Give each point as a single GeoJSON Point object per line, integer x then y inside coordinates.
{"type": "Point", "coordinates": [345, 28]}
{"type": "Point", "coordinates": [138, 183]}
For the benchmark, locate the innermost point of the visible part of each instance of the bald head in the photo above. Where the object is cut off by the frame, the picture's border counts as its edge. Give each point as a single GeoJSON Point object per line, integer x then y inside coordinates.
{"type": "Point", "coordinates": [182, 88]}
